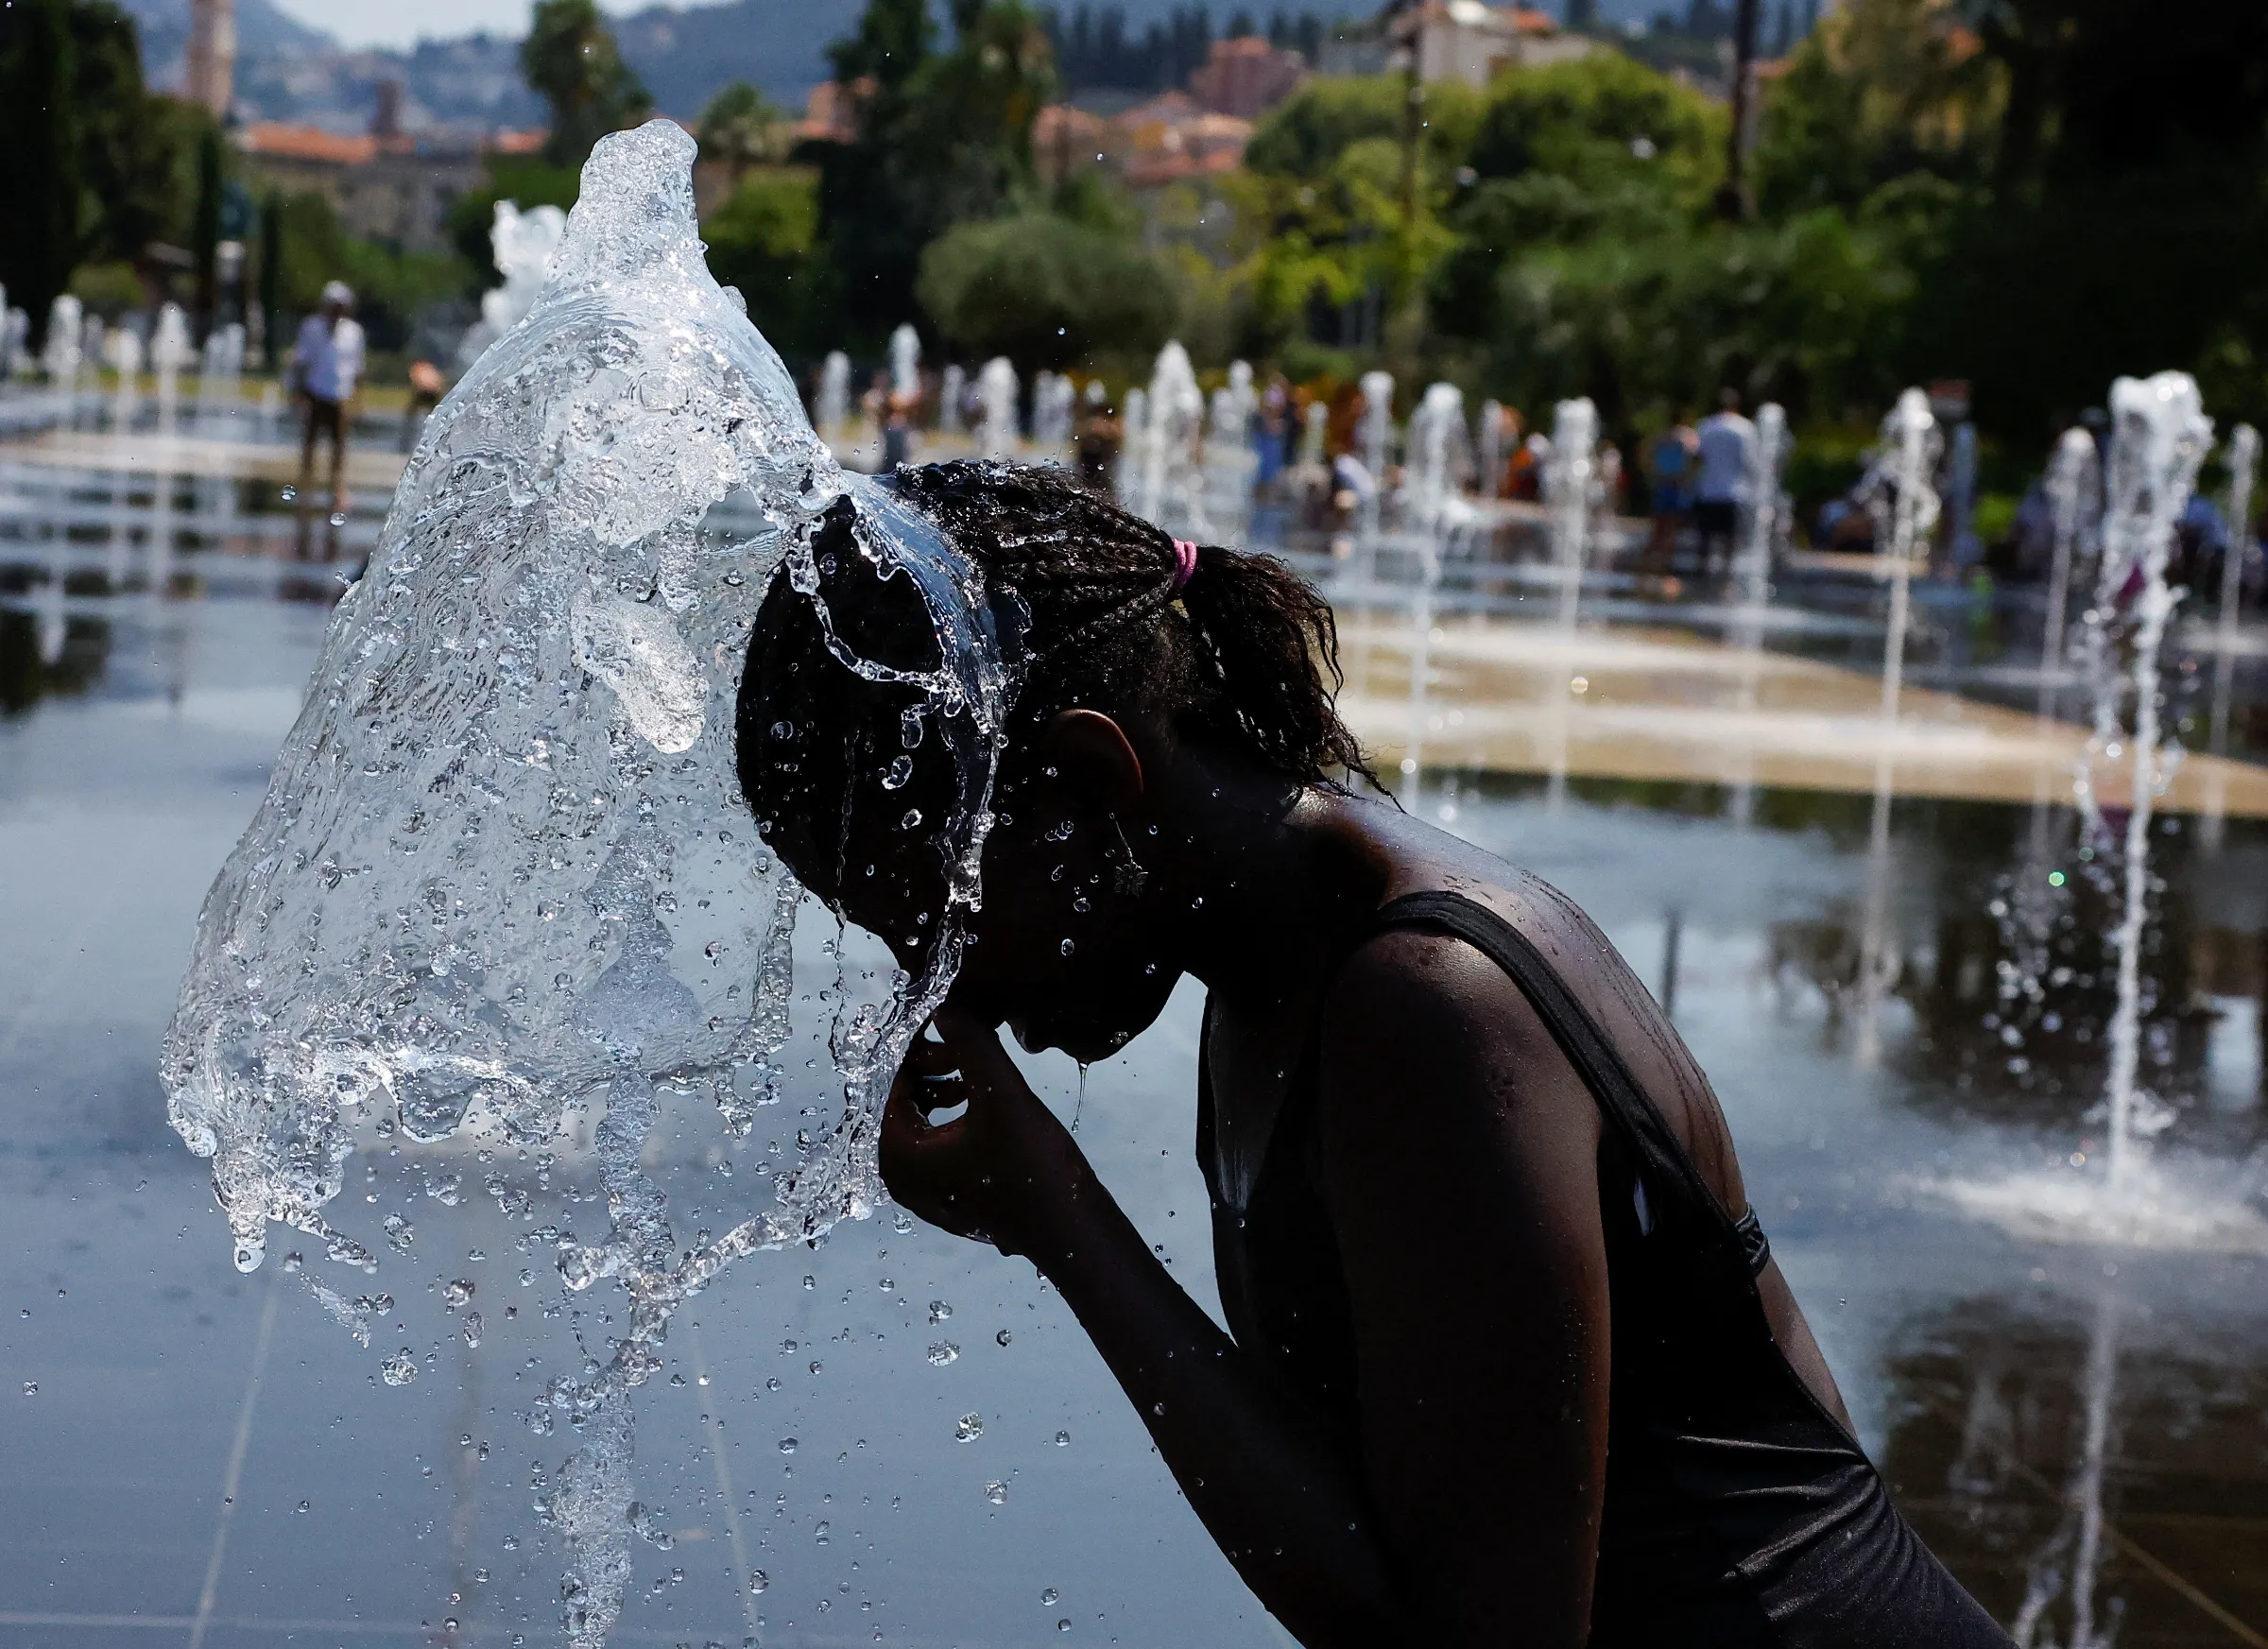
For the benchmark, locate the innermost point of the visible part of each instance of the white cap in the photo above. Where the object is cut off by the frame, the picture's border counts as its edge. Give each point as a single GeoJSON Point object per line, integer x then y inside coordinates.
{"type": "Point", "coordinates": [339, 292]}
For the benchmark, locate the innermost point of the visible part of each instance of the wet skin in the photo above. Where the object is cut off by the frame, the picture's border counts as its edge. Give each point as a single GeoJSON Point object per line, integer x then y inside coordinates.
{"type": "Point", "coordinates": [1460, 1165]}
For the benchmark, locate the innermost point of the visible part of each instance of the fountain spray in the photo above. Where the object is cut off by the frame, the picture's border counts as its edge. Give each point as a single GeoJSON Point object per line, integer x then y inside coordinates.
{"type": "Point", "coordinates": [1897, 491]}
{"type": "Point", "coordinates": [2161, 436]}
{"type": "Point", "coordinates": [1436, 439]}
{"type": "Point", "coordinates": [1569, 485]}
{"type": "Point", "coordinates": [2243, 461]}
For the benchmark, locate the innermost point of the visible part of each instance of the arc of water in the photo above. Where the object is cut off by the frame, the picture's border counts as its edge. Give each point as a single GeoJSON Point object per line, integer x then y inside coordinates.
{"type": "Point", "coordinates": [1764, 525]}
{"type": "Point", "coordinates": [2244, 463]}
{"type": "Point", "coordinates": [1897, 490]}
{"type": "Point", "coordinates": [1436, 434]}
{"type": "Point", "coordinates": [1377, 434]}
{"type": "Point", "coordinates": [2161, 436]}
{"type": "Point", "coordinates": [1570, 483]}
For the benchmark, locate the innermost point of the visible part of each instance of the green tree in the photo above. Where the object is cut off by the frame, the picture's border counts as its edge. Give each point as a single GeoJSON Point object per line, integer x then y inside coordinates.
{"type": "Point", "coordinates": [129, 141]}
{"type": "Point", "coordinates": [943, 138]}
{"type": "Point", "coordinates": [39, 234]}
{"type": "Point", "coordinates": [740, 128]}
{"type": "Point", "coordinates": [765, 241]}
{"type": "Point", "coordinates": [571, 60]}
{"type": "Point", "coordinates": [204, 245]}
{"type": "Point", "coordinates": [1043, 290]}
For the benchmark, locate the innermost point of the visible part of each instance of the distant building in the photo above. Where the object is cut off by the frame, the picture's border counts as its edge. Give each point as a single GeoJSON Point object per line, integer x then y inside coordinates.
{"type": "Point", "coordinates": [1246, 77]}
{"type": "Point", "coordinates": [212, 77]}
{"type": "Point", "coordinates": [1467, 40]}
{"type": "Point", "coordinates": [1171, 138]}
{"type": "Point", "coordinates": [391, 188]}
{"type": "Point", "coordinates": [1166, 140]}
{"type": "Point", "coordinates": [831, 114]}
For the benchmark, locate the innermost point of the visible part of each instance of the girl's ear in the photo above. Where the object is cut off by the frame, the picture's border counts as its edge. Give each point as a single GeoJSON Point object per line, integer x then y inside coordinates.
{"type": "Point", "coordinates": [1094, 758]}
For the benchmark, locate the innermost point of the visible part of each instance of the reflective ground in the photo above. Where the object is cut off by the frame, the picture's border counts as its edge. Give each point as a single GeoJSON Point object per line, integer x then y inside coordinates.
{"type": "Point", "coordinates": [202, 1458]}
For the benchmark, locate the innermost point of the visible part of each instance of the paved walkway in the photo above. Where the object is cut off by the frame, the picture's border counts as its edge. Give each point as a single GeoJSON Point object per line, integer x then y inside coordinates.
{"type": "Point", "coordinates": [1524, 698]}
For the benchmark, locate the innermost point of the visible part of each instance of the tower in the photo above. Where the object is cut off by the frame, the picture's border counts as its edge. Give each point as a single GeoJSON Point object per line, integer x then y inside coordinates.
{"type": "Point", "coordinates": [212, 53]}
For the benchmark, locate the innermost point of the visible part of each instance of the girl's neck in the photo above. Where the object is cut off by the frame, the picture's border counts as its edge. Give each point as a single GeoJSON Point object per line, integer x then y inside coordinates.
{"type": "Point", "coordinates": [1267, 881]}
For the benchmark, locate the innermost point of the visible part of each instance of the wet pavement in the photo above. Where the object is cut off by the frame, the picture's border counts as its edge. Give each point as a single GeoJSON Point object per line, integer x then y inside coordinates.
{"type": "Point", "coordinates": [205, 1458]}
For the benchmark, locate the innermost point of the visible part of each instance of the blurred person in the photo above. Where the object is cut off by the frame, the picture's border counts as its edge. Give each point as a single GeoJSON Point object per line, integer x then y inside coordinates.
{"type": "Point", "coordinates": [1097, 438]}
{"type": "Point", "coordinates": [1672, 460]}
{"type": "Point", "coordinates": [426, 387]}
{"type": "Point", "coordinates": [1725, 446]}
{"type": "Point", "coordinates": [1523, 476]}
{"type": "Point", "coordinates": [1272, 431]}
{"type": "Point", "coordinates": [327, 360]}
{"type": "Point", "coordinates": [892, 411]}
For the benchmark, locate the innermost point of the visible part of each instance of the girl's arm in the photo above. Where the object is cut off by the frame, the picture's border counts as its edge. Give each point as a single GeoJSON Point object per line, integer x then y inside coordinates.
{"type": "Point", "coordinates": [1282, 1499]}
{"type": "Point", "coordinates": [1468, 1233]}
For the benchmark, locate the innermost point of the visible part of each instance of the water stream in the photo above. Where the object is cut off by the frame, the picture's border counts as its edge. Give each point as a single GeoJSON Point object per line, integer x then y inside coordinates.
{"type": "Point", "coordinates": [503, 889]}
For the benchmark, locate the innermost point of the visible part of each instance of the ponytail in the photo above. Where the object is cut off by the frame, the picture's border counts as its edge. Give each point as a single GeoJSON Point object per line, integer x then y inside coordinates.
{"type": "Point", "coordinates": [1270, 640]}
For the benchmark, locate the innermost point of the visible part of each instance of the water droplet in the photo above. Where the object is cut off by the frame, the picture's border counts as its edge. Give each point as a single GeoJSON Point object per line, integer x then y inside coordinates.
{"type": "Point", "coordinates": [472, 1331]}
{"type": "Point", "coordinates": [997, 1492]}
{"type": "Point", "coordinates": [455, 1294]}
{"type": "Point", "coordinates": [938, 1310]}
{"type": "Point", "coordinates": [912, 820]}
{"type": "Point", "coordinates": [399, 1369]}
{"type": "Point", "coordinates": [400, 1232]}
{"type": "Point", "coordinates": [1062, 1440]}
{"type": "Point", "coordinates": [1063, 1625]}
{"type": "Point", "coordinates": [303, 1506]}
{"type": "Point", "coordinates": [758, 1580]}
{"type": "Point", "coordinates": [1003, 1337]}
{"type": "Point", "coordinates": [941, 1353]}
{"type": "Point", "coordinates": [968, 1428]}
{"type": "Point", "coordinates": [1051, 1597]}
{"type": "Point", "coordinates": [787, 1445]}
{"type": "Point", "coordinates": [31, 1388]}
{"type": "Point", "coordinates": [900, 771]}
{"type": "Point", "coordinates": [1069, 947]}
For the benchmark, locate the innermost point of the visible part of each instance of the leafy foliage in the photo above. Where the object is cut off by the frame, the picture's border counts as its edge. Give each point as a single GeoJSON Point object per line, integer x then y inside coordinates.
{"type": "Point", "coordinates": [1044, 290]}
{"type": "Point", "coordinates": [764, 240]}
{"type": "Point", "coordinates": [944, 137]}
{"type": "Point", "coordinates": [570, 58]}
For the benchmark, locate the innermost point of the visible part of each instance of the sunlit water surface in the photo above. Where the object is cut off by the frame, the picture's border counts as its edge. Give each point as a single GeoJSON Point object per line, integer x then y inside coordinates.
{"type": "Point", "coordinates": [202, 1457]}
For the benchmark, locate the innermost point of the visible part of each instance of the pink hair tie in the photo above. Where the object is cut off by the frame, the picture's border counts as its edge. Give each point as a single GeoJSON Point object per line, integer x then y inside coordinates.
{"type": "Point", "coordinates": [1185, 563]}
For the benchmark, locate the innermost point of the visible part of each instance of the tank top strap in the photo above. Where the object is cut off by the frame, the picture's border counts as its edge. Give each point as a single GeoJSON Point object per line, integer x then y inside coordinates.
{"type": "Point", "coordinates": [1629, 1108]}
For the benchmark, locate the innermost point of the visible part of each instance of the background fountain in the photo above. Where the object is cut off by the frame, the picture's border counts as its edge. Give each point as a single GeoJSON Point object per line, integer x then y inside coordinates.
{"type": "Point", "coordinates": [951, 388]}
{"type": "Point", "coordinates": [1896, 490]}
{"type": "Point", "coordinates": [833, 408]}
{"type": "Point", "coordinates": [905, 361]}
{"type": "Point", "coordinates": [126, 360]}
{"type": "Point", "coordinates": [169, 354]}
{"type": "Point", "coordinates": [997, 392]}
{"type": "Point", "coordinates": [60, 359]}
{"type": "Point", "coordinates": [521, 245]}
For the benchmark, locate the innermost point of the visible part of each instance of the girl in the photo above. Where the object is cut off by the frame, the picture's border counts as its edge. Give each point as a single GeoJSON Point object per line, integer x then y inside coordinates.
{"type": "Point", "coordinates": [1508, 1359]}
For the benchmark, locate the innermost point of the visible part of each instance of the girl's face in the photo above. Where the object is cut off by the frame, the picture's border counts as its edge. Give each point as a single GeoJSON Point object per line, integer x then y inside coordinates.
{"type": "Point", "coordinates": [1070, 948]}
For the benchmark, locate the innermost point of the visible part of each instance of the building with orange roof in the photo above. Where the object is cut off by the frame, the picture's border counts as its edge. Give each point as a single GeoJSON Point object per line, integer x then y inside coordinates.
{"type": "Point", "coordinates": [1246, 77]}
{"type": "Point", "coordinates": [1468, 40]}
{"type": "Point", "coordinates": [390, 188]}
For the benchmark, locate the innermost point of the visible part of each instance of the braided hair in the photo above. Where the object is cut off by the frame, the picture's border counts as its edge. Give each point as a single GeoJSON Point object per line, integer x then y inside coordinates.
{"type": "Point", "coordinates": [1239, 653]}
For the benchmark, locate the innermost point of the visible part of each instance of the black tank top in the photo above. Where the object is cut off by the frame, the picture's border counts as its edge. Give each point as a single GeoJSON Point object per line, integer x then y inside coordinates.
{"type": "Point", "coordinates": [1738, 1510]}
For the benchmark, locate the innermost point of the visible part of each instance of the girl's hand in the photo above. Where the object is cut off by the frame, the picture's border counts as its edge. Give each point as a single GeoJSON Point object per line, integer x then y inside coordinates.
{"type": "Point", "coordinates": [997, 1171]}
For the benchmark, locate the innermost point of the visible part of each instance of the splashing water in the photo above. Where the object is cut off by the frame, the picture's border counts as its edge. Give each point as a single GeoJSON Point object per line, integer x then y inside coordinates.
{"type": "Point", "coordinates": [2161, 437]}
{"type": "Point", "coordinates": [504, 841]}
{"type": "Point", "coordinates": [521, 245]}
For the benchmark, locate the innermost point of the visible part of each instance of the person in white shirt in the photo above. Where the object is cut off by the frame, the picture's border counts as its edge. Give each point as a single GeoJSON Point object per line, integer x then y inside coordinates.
{"type": "Point", "coordinates": [327, 360]}
{"type": "Point", "coordinates": [1727, 448]}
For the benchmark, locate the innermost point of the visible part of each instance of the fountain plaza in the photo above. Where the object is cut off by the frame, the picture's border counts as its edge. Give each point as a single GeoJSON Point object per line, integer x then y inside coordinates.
{"type": "Point", "coordinates": [1826, 805]}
